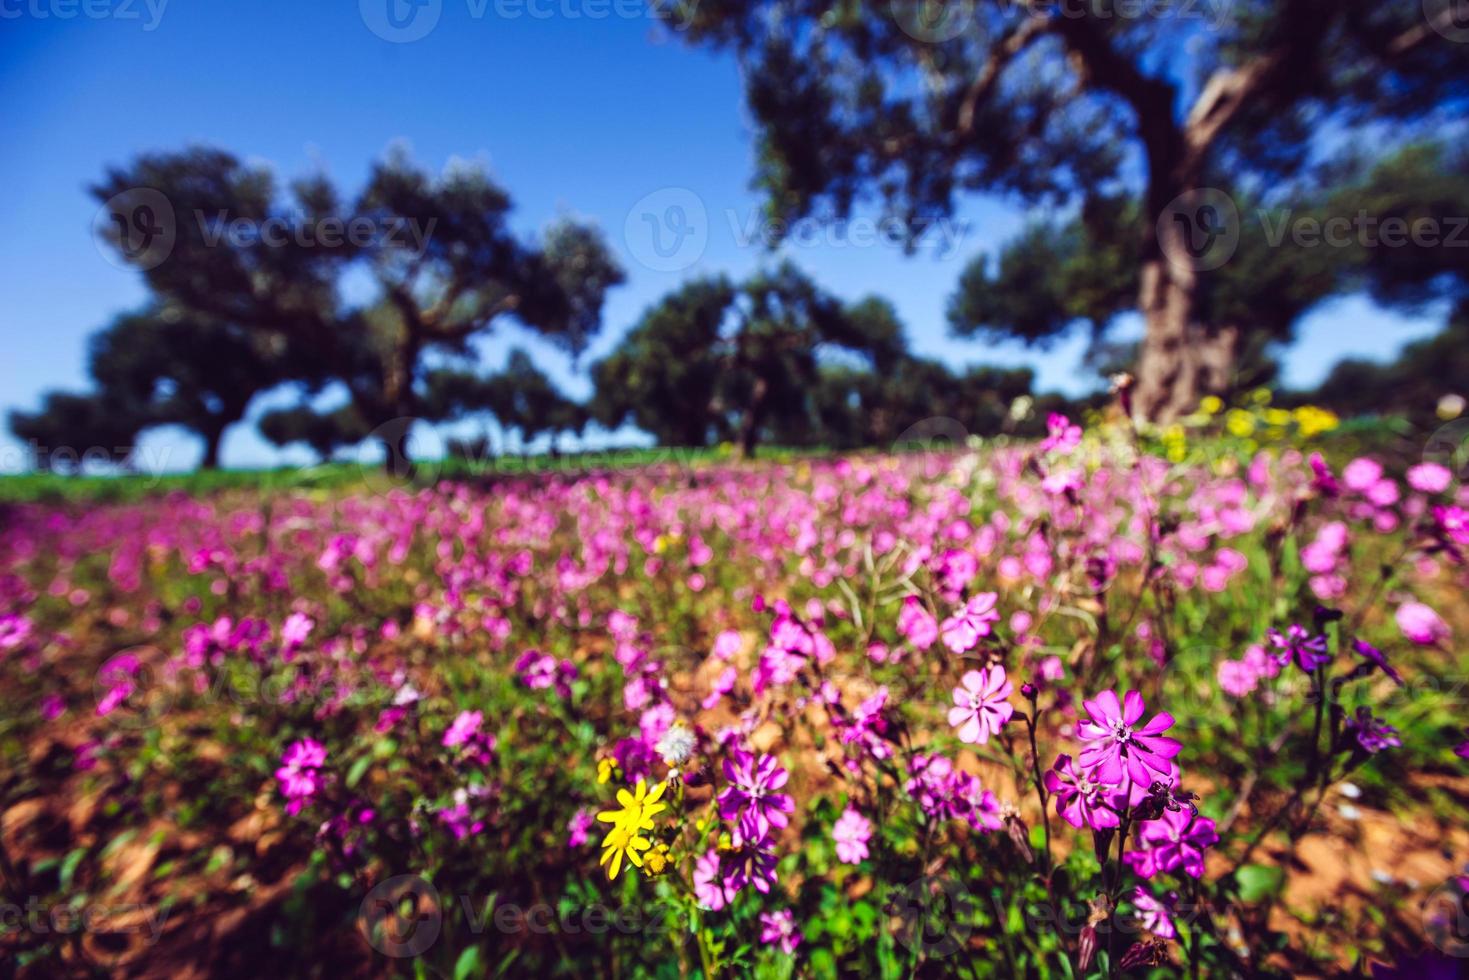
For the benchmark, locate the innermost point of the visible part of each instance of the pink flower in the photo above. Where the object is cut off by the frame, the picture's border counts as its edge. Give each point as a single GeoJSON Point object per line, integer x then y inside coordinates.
{"type": "Point", "coordinates": [1078, 799]}
{"type": "Point", "coordinates": [947, 793]}
{"type": "Point", "coordinates": [980, 708]}
{"type": "Point", "coordinates": [1236, 677]}
{"type": "Point", "coordinates": [916, 625]}
{"type": "Point", "coordinates": [15, 630]}
{"type": "Point", "coordinates": [1062, 435]}
{"type": "Point", "coordinates": [465, 735]}
{"type": "Point", "coordinates": [1177, 839]}
{"type": "Point", "coordinates": [1118, 748]}
{"type": "Point", "coordinates": [295, 631]}
{"type": "Point", "coordinates": [712, 887]}
{"type": "Point", "coordinates": [1154, 915]}
{"type": "Point", "coordinates": [963, 630]}
{"type": "Point", "coordinates": [1383, 493]}
{"type": "Point", "coordinates": [779, 929]}
{"type": "Point", "coordinates": [464, 727]}
{"type": "Point", "coordinates": [851, 833]}
{"type": "Point", "coordinates": [459, 818]}
{"type": "Point", "coordinates": [727, 644]}
{"type": "Point", "coordinates": [1453, 523]}
{"type": "Point", "coordinates": [723, 684]}
{"type": "Point", "coordinates": [1429, 478]}
{"type": "Point", "coordinates": [1361, 473]}
{"type": "Point", "coordinates": [299, 773]}
{"type": "Point", "coordinates": [751, 798]}
{"type": "Point", "coordinates": [576, 830]}
{"type": "Point", "coordinates": [1420, 623]}
{"type": "Point", "coordinates": [541, 670]}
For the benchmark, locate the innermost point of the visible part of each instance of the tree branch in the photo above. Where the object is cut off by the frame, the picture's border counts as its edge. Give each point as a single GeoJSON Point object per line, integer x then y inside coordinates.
{"type": "Point", "coordinates": [984, 83]}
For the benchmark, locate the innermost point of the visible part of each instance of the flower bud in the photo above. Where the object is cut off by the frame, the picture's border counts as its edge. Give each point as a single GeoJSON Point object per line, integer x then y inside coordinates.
{"type": "Point", "coordinates": [1019, 836]}
{"type": "Point", "coordinates": [1086, 949]}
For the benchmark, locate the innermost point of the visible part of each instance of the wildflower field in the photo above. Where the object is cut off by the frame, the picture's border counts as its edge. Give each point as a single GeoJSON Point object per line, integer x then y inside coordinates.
{"type": "Point", "coordinates": [1184, 704]}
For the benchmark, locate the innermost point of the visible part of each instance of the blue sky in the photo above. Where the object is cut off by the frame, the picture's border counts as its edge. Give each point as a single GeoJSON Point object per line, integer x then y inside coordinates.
{"type": "Point", "coordinates": [600, 117]}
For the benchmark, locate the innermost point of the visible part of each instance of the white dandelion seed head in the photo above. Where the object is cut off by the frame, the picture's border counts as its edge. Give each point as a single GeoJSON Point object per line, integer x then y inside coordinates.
{"type": "Point", "coordinates": [676, 745]}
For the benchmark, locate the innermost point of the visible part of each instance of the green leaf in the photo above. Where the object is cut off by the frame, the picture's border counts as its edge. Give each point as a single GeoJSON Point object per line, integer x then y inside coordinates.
{"type": "Point", "coordinates": [468, 964]}
{"type": "Point", "coordinates": [69, 867]}
{"type": "Point", "coordinates": [359, 768]}
{"type": "Point", "coordinates": [1258, 882]}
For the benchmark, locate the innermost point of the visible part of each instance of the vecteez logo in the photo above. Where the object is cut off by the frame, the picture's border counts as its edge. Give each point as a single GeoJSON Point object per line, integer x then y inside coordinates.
{"type": "Point", "coordinates": [401, 21]}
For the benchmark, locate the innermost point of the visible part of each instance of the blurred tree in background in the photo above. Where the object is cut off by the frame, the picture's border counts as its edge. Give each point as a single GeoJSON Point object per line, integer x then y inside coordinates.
{"type": "Point", "coordinates": [1115, 120]}
{"type": "Point", "coordinates": [441, 260]}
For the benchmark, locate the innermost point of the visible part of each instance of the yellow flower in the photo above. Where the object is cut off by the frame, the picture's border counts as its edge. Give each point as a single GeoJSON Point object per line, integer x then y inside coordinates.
{"type": "Point", "coordinates": [655, 862]}
{"type": "Point", "coordinates": [1313, 421]}
{"type": "Point", "coordinates": [605, 769]}
{"type": "Point", "coordinates": [1211, 405]}
{"type": "Point", "coordinates": [1239, 422]}
{"type": "Point", "coordinates": [622, 842]}
{"type": "Point", "coordinates": [633, 816]}
{"type": "Point", "coordinates": [637, 808]}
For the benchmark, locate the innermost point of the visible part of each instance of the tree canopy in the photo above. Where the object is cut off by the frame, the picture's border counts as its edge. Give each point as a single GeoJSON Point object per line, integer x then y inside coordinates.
{"type": "Point", "coordinates": [1118, 123]}
{"type": "Point", "coordinates": [442, 262]}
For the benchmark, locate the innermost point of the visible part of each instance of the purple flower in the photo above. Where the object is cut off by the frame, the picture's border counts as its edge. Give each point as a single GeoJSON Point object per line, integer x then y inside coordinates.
{"type": "Point", "coordinates": [946, 793]}
{"type": "Point", "coordinates": [779, 929]}
{"type": "Point", "coordinates": [299, 773]}
{"type": "Point", "coordinates": [1452, 523]}
{"type": "Point", "coordinates": [1078, 799]}
{"type": "Point", "coordinates": [576, 829]}
{"type": "Point", "coordinates": [1373, 734]}
{"type": "Point", "coordinates": [723, 684]}
{"type": "Point", "coordinates": [15, 630]}
{"type": "Point", "coordinates": [465, 735]}
{"type": "Point", "coordinates": [751, 865]}
{"type": "Point", "coordinates": [464, 728]}
{"type": "Point", "coordinates": [751, 799]}
{"type": "Point", "coordinates": [118, 675]}
{"type": "Point", "coordinates": [1177, 839]}
{"type": "Point", "coordinates": [867, 725]}
{"type": "Point", "coordinates": [294, 632]}
{"type": "Point", "coordinates": [980, 708]}
{"type": "Point", "coordinates": [963, 630]}
{"type": "Point", "coordinates": [1297, 643]}
{"type": "Point", "coordinates": [1376, 656]}
{"type": "Point", "coordinates": [1154, 915]}
{"type": "Point", "coordinates": [541, 670]}
{"type": "Point", "coordinates": [851, 833]}
{"type": "Point", "coordinates": [1117, 747]}
{"type": "Point", "coordinates": [52, 707]}
{"type": "Point", "coordinates": [1322, 478]}
{"type": "Point", "coordinates": [459, 819]}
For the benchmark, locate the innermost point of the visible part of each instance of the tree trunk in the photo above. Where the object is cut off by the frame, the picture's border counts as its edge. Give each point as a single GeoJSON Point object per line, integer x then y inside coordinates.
{"type": "Point", "coordinates": [393, 437]}
{"type": "Point", "coordinates": [213, 437]}
{"type": "Point", "coordinates": [1181, 360]}
{"type": "Point", "coordinates": [750, 422]}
